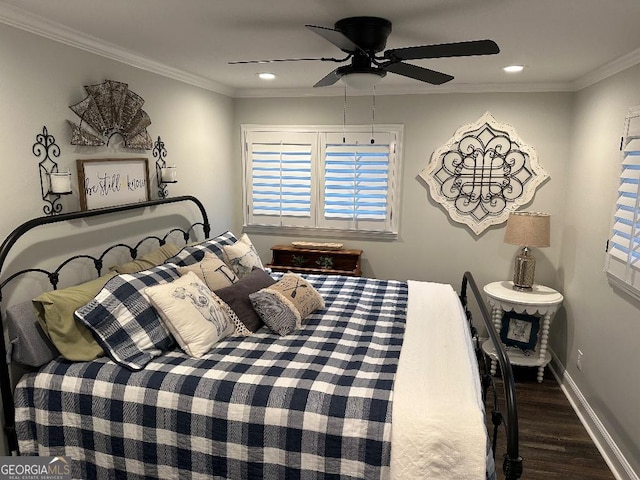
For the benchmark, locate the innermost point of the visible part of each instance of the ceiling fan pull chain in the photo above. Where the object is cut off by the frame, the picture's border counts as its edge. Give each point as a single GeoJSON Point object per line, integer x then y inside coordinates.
{"type": "Point", "coordinates": [373, 114]}
{"type": "Point", "coordinates": [344, 116]}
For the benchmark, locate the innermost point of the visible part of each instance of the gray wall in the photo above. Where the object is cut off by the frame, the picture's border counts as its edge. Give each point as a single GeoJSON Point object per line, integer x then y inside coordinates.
{"type": "Point", "coordinates": [600, 321]}
{"type": "Point", "coordinates": [41, 78]}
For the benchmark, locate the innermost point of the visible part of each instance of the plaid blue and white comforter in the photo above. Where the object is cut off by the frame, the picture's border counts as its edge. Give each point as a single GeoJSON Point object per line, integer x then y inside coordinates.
{"type": "Point", "coordinates": [314, 404]}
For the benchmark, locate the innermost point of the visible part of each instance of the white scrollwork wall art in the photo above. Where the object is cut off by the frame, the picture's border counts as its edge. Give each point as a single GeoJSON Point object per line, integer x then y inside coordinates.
{"type": "Point", "coordinates": [483, 173]}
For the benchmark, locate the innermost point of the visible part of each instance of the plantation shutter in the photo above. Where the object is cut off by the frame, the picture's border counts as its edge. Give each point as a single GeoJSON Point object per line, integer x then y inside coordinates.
{"type": "Point", "coordinates": [322, 180]}
{"type": "Point", "coordinates": [357, 183]}
{"type": "Point", "coordinates": [280, 173]}
{"type": "Point", "coordinates": [623, 252]}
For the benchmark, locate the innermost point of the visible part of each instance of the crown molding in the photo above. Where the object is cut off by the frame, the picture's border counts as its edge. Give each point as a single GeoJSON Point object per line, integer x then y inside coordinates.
{"type": "Point", "coordinates": [418, 89]}
{"type": "Point", "coordinates": [37, 25]}
{"type": "Point", "coordinates": [616, 66]}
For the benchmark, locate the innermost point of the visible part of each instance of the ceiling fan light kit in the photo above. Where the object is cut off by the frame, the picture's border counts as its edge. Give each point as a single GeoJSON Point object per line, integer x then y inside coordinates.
{"type": "Point", "coordinates": [362, 81]}
{"type": "Point", "coordinates": [364, 39]}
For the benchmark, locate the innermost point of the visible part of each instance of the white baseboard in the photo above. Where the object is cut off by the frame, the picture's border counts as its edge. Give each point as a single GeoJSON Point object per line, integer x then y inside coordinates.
{"type": "Point", "coordinates": [612, 455]}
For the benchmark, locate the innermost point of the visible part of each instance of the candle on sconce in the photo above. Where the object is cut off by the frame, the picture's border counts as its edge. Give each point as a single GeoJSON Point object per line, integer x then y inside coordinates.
{"type": "Point", "coordinates": [169, 174]}
{"type": "Point", "coordinates": [60, 182]}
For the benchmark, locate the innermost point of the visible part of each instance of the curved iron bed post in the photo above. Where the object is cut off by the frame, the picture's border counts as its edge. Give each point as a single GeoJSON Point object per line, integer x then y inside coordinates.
{"type": "Point", "coordinates": [512, 465]}
{"type": "Point", "coordinates": [8, 243]}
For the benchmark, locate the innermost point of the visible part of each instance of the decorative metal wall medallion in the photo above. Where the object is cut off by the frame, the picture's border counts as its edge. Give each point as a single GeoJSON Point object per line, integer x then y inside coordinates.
{"type": "Point", "coordinates": [110, 108]}
{"type": "Point", "coordinates": [483, 173]}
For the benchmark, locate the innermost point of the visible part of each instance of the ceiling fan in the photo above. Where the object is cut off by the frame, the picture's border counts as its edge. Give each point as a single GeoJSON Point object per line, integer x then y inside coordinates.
{"type": "Point", "coordinates": [364, 38]}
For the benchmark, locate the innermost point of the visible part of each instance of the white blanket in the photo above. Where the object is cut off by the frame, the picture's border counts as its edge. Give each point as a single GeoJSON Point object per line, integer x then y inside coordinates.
{"type": "Point", "coordinates": [438, 423]}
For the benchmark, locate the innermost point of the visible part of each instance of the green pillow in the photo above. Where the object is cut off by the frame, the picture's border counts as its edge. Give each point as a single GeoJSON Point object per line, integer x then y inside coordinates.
{"type": "Point", "coordinates": [55, 313]}
{"type": "Point", "coordinates": [149, 260]}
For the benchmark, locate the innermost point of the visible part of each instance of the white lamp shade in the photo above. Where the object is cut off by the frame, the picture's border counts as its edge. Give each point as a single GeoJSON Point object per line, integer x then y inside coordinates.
{"type": "Point", "coordinates": [528, 229]}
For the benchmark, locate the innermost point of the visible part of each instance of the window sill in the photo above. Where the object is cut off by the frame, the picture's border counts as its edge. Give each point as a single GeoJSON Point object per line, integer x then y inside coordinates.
{"type": "Point", "coordinates": [624, 286]}
{"type": "Point", "coordinates": [320, 232]}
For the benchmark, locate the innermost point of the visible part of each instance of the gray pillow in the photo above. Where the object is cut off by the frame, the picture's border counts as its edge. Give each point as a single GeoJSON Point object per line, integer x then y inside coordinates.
{"type": "Point", "coordinates": [29, 344]}
{"type": "Point", "coordinates": [237, 296]}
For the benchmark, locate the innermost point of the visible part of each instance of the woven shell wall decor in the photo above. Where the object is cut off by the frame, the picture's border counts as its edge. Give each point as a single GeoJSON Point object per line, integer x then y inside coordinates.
{"type": "Point", "coordinates": [110, 108]}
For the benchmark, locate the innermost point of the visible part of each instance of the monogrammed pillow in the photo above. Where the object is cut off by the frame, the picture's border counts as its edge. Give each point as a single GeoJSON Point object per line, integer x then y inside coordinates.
{"type": "Point", "coordinates": [212, 271]}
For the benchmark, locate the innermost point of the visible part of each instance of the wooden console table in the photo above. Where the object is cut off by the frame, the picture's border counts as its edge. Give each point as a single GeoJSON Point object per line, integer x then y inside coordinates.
{"type": "Point", "coordinates": [287, 258]}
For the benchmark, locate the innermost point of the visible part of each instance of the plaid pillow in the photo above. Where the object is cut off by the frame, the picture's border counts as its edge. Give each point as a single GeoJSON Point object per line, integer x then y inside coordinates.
{"type": "Point", "coordinates": [123, 321]}
{"type": "Point", "coordinates": [194, 253]}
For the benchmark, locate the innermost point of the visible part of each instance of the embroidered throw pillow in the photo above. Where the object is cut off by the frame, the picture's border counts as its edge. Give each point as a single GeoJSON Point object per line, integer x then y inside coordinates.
{"type": "Point", "coordinates": [242, 256]}
{"type": "Point", "coordinates": [285, 304]}
{"type": "Point", "coordinates": [212, 271]}
{"type": "Point", "coordinates": [196, 318]}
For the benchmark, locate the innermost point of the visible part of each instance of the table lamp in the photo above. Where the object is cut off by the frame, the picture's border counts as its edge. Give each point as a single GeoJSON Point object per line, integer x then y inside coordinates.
{"type": "Point", "coordinates": [527, 229]}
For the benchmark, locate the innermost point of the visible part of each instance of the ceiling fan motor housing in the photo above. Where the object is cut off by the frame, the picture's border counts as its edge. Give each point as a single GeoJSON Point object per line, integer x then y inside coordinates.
{"type": "Point", "coordinates": [368, 33]}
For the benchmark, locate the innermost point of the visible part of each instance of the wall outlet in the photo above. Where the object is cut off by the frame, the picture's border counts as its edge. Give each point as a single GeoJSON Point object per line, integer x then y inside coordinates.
{"type": "Point", "coordinates": [579, 359]}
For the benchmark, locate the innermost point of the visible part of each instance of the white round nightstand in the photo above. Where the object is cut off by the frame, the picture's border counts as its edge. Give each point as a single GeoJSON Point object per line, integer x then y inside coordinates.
{"type": "Point", "coordinates": [542, 301]}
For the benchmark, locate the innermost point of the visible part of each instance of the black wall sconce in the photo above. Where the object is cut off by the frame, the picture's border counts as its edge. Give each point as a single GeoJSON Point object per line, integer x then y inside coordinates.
{"type": "Point", "coordinates": [53, 183]}
{"type": "Point", "coordinates": [164, 173]}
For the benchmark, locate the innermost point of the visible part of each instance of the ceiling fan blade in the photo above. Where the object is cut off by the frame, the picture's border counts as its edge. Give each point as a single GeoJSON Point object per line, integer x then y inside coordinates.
{"type": "Point", "coordinates": [319, 59]}
{"type": "Point", "coordinates": [457, 49]}
{"type": "Point", "coordinates": [336, 37]}
{"type": "Point", "coordinates": [418, 73]}
{"type": "Point", "coordinates": [329, 79]}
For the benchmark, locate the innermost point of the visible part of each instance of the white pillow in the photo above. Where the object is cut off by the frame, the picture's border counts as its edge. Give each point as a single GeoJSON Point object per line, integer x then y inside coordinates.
{"type": "Point", "coordinates": [242, 256]}
{"type": "Point", "coordinates": [195, 317]}
{"type": "Point", "coordinates": [212, 271]}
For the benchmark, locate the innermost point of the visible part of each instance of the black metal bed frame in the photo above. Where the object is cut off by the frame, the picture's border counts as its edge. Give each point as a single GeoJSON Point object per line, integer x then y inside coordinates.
{"type": "Point", "coordinates": [512, 462]}
{"type": "Point", "coordinates": [512, 466]}
{"type": "Point", "coordinates": [54, 275]}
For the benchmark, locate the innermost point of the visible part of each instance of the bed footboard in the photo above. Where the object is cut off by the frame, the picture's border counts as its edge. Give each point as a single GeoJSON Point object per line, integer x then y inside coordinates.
{"type": "Point", "coordinates": [512, 465]}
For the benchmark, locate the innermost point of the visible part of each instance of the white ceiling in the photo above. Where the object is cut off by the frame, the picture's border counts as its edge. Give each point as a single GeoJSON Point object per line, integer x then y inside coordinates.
{"type": "Point", "coordinates": [565, 44]}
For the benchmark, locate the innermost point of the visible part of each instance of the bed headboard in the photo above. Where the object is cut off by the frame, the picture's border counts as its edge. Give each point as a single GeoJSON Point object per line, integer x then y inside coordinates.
{"type": "Point", "coordinates": [97, 261]}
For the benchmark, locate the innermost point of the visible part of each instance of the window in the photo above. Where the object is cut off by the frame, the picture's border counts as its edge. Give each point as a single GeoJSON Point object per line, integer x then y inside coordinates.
{"type": "Point", "coordinates": [322, 179]}
{"type": "Point", "coordinates": [623, 248]}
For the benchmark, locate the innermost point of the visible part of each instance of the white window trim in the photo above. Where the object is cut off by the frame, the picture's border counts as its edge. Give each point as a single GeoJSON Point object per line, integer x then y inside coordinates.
{"type": "Point", "coordinates": [321, 131]}
{"type": "Point", "coordinates": [622, 274]}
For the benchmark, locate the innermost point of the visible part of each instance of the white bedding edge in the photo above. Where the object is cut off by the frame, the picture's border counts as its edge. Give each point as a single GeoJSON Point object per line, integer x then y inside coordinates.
{"type": "Point", "coordinates": [438, 427]}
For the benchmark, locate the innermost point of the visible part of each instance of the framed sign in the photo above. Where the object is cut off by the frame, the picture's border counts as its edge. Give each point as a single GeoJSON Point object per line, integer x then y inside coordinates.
{"type": "Point", "coordinates": [520, 330]}
{"type": "Point", "coordinates": [107, 182]}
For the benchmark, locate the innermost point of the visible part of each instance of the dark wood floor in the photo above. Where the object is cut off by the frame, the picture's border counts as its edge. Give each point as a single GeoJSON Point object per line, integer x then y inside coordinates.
{"type": "Point", "coordinates": [553, 442]}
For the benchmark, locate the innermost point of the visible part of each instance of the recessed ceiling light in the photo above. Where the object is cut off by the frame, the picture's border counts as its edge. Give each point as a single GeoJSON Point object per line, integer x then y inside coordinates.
{"type": "Point", "coordinates": [266, 76]}
{"type": "Point", "coordinates": [513, 68]}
